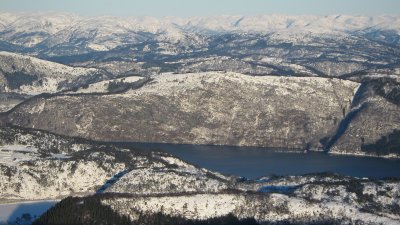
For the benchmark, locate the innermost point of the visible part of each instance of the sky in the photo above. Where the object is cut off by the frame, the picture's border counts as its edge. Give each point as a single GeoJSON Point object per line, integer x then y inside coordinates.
{"type": "Point", "coordinates": [187, 8]}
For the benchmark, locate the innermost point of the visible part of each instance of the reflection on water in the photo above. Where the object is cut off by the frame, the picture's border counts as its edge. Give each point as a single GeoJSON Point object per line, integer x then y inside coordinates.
{"type": "Point", "coordinates": [254, 162]}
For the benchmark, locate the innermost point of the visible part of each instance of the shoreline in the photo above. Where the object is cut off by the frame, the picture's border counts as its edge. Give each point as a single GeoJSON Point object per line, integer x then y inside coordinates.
{"type": "Point", "coordinates": [359, 154]}
{"type": "Point", "coordinates": [12, 202]}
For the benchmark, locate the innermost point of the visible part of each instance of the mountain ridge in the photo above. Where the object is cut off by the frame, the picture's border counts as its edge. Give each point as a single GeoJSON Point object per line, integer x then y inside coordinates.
{"type": "Point", "coordinates": [174, 28]}
{"type": "Point", "coordinates": [178, 97]}
{"type": "Point", "coordinates": [258, 45]}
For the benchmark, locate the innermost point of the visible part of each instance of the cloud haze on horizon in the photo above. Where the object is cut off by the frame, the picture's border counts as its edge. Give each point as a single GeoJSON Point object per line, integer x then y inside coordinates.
{"type": "Point", "coordinates": [187, 8]}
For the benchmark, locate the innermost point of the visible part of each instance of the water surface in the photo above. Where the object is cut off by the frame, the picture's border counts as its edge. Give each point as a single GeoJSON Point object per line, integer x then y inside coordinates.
{"type": "Point", "coordinates": [252, 162]}
{"type": "Point", "coordinates": [12, 211]}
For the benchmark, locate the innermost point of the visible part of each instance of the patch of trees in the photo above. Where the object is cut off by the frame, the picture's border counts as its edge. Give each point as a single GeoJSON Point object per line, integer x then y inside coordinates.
{"type": "Point", "coordinates": [385, 145]}
{"type": "Point", "coordinates": [89, 210]}
{"type": "Point", "coordinates": [358, 188]}
{"type": "Point", "coordinates": [117, 86]}
{"type": "Point", "coordinates": [81, 211]}
{"type": "Point", "coordinates": [388, 88]}
{"type": "Point", "coordinates": [8, 171]}
{"type": "Point", "coordinates": [161, 219]}
{"type": "Point", "coordinates": [121, 86]}
{"type": "Point", "coordinates": [18, 79]}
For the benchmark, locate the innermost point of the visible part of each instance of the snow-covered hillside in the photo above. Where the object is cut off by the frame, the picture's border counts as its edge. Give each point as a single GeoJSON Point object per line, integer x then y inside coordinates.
{"type": "Point", "coordinates": [225, 108]}
{"type": "Point", "coordinates": [201, 108]}
{"type": "Point", "coordinates": [39, 165]}
{"type": "Point", "coordinates": [29, 75]}
{"type": "Point", "coordinates": [264, 208]}
{"type": "Point", "coordinates": [176, 177]}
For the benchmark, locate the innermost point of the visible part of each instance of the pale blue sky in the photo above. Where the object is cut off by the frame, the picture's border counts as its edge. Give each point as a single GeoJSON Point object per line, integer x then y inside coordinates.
{"type": "Point", "coordinates": [186, 8]}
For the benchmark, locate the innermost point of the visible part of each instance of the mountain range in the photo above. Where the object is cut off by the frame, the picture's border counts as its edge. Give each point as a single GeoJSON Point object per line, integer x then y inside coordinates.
{"type": "Point", "coordinates": [260, 45]}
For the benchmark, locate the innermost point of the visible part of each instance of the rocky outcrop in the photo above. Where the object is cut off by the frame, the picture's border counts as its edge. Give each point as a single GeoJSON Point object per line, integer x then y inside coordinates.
{"type": "Point", "coordinates": [205, 108]}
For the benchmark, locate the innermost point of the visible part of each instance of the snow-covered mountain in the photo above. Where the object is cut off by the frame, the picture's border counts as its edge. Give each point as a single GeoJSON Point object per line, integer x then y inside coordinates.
{"type": "Point", "coordinates": [30, 30]}
{"type": "Point", "coordinates": [226, 109]}
{"type": "Point", "coordinates": [269, 44]}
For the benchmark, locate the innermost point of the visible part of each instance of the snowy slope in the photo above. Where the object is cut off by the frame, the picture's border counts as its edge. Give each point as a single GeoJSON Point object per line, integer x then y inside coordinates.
{"type": "Point", "coordinates": [39, 165]}
{"type": "Point", "coordinates": [201, 108]}
{"type": "Point", "coordinates": [30, 75]}
{"type": "Point", "coordinates": [274, 207]}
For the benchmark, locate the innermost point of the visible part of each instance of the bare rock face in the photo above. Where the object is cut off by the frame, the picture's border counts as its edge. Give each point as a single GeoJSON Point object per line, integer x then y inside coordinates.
{"type": "Point", "coordinates": [204, 108]}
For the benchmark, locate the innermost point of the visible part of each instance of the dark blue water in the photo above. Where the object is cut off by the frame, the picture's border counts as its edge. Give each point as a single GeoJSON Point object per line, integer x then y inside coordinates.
{"type": "Point", "coordinates": [10, 212]}
{"type": "Point", "coordinates": [253, 162]}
